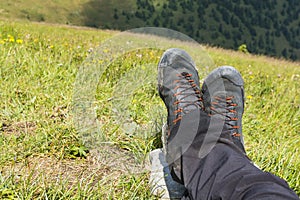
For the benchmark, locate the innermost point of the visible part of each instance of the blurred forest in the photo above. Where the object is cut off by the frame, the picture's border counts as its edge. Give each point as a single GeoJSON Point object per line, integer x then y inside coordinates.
{"type": "Point", "coordinates": [270, 27]}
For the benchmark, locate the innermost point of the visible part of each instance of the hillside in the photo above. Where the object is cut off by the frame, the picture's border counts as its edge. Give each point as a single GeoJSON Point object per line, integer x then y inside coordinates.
{"type": "Point", "coordinates": [266, 27]}
{"type": "Point", "coordinates": [44, 154]}
{"type": "Point", "coordinates": [269, 27]}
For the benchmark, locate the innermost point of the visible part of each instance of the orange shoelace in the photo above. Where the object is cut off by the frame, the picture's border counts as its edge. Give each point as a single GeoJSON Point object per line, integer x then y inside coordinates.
{"type": "Point", "coordinates": [186, 83]}
{"type": "Point", "coordinates": [226, 108]}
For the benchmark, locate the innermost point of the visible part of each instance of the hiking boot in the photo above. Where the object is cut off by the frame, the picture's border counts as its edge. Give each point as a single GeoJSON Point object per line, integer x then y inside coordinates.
{"type": "Point", "coordinates": [178, 85]}
{"type": "Point", "coordinates": [223, 96]}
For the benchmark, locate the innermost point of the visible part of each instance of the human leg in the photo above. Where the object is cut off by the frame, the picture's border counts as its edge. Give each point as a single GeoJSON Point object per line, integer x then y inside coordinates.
{"type": "Point", "coordinates": [205, 146]}
{"type": "Point", "coordinates": [226, 174]}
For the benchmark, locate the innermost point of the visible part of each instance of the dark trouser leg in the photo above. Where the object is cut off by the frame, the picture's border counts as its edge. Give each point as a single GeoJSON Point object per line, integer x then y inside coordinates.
{"type": "Point", "coordinates": [225, 172]}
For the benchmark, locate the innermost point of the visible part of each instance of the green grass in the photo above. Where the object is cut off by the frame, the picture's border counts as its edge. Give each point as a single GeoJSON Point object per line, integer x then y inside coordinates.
{"type": "Point", "coordinates": [42, 155]}
{"type": "Point", "coordinates": [65, 11]}
{"type": "Point", "coordinates": [216, 23]}
{"type": "Point", "coordinates": [78, 12]}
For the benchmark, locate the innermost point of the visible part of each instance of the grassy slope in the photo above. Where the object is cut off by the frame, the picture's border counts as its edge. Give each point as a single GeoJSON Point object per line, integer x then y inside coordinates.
{"type": "Point", "coordinates": [100, 14]}
{"type": "Point", "coordinates": [51, 11]}
{"type": "Point", "coordinates": [41, 155]}
{"type": "Point", "coordinates": [63, 12]}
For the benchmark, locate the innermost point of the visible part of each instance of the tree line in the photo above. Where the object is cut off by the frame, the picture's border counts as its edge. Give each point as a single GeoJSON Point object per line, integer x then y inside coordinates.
{"type": "Point", "coordinates": [270, 27]}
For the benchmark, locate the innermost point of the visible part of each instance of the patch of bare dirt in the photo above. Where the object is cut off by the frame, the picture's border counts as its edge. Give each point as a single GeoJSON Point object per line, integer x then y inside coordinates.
{"type": "Point", "coordinates": [18, 128]}
{"type": "Point", "coordinates": [105, 165]}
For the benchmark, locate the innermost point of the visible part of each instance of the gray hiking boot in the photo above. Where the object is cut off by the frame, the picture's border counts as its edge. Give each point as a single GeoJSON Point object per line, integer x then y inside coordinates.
{"type": "Point", "coordinates": [223, 95]}
{"type": "Point", "coordinates": [178, 85]}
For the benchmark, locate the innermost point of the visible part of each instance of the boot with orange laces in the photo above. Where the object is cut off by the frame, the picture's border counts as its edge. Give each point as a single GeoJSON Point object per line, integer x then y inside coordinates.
{"type": "Point", "coordinates": [179, 88]}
